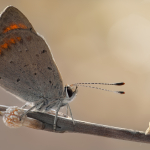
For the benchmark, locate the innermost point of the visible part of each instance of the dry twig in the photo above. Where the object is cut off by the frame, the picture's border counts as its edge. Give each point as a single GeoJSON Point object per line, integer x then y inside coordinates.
{"type": "Point", "coordinates": [44, 121]}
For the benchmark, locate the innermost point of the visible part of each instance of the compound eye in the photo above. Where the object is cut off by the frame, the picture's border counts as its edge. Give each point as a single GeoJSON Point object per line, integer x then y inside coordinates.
{"type": "Point", "coordinates": [69, 91]}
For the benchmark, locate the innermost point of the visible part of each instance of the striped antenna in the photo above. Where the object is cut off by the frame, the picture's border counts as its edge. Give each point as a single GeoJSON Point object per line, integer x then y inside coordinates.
{"type": "Point", "coordinates": [118, 84]}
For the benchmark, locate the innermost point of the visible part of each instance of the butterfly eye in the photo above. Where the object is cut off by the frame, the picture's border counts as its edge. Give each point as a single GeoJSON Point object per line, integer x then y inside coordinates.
{"type": "Point", "coordinates": [69, 91]}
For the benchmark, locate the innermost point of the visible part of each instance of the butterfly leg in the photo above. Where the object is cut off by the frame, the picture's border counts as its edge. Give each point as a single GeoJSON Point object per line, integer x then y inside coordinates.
{"type": "Point", "coordinates": [67, 110]}
{"type": "Point", "coordinates": [25, 105]}
{"type": "Point", "coordinates": [71, 114]}
{"type": "Point", "coordinates": [30, 109]}
{"type": "Point", "coordinates": [55, 119]}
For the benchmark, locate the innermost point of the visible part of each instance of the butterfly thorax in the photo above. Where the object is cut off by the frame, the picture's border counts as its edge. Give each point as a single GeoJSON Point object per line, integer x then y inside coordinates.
{"type": "Point", "coordinates": [48, 104]}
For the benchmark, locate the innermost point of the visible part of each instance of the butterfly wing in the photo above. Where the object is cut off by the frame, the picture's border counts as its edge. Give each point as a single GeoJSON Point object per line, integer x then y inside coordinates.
{"type": "Point", "coordinates": [11, 18]}
{"type": "Point", "coordinates": [27, 68]}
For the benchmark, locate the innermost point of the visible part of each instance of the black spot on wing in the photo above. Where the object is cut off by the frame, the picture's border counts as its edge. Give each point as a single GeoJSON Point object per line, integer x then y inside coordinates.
{"type": "Point", "coordinates": [18, 80]}
{"type": "Point", "coordinates": [49, 68]}
{"type": "Point", "coordinates": [43, 51]}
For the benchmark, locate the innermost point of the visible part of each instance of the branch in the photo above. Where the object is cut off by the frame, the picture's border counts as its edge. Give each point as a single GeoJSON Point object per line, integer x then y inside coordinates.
{"type": "Point", "coordinates": [44, 121]}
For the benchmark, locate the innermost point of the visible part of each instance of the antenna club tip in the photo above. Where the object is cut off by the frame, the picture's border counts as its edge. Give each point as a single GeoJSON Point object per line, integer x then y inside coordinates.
{"type": "Point", "coordinates": [121, 92]}
{"type": "Point", "coordinates": [120, 83]}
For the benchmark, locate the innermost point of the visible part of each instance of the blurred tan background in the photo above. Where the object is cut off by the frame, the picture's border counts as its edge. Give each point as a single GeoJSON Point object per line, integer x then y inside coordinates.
{"type": "Point", "coordinates": [91, 41]}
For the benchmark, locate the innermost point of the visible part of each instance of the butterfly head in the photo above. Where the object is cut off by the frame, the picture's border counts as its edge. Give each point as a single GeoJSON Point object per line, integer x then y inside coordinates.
{"type": "Point", "coordinates": [70, 92]}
